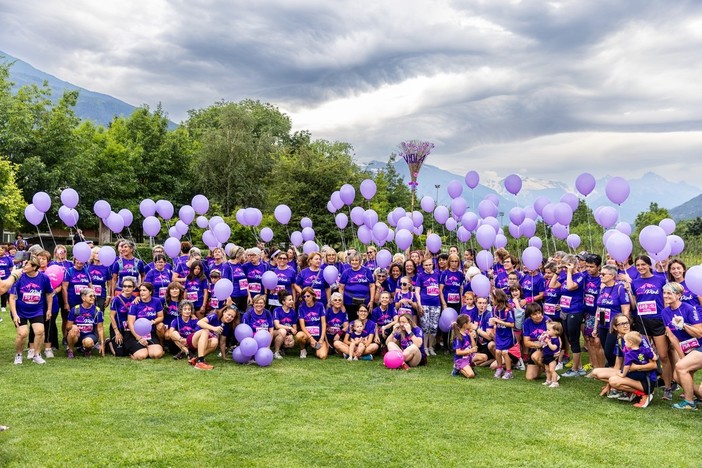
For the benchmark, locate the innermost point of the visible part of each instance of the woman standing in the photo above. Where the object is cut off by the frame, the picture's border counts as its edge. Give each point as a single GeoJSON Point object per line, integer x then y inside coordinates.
{"type": "Point", "coordinates": [612, 300]}
{"type": "Point", "coordinates": [196, 288]}
{"type": "Point", "coordinates": [126, 266]}
{"type": "Point", "coordinates": [429, 303]}
{"type": "Point", "coordinates": [571, 283]}
{"type": "Point", "coordinates": [254, 270]}
{"type": "Point", "coordinates": [357, 286]}
{"type": "Point", "coordinates": [160, 277]}
{"type": "Point", "coordinates": [286, 280]}
{"type": "Point", "coordinates": [312, 277]}
{"type": "Point", "coordinates": [60, 259]}
{"type": "Point", "coordinates": [234, 271]}
{"type": "Point", "coordinates": [451, 284]}
{"type": "Point", "coordinates": [676, 273]}
{"type": "Point", "coordinates": [148, 307]}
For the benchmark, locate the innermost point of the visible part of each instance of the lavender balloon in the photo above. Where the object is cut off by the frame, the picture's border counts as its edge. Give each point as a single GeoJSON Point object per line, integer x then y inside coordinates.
{"type": "Point", "coordinates": [341, 220]}
{"type": "Point", "coordinates": [202, 222]}
{"type": "Point", "coordinates": [487, 208]}
{"type": "Point", "coordinates": [463, 234]}
{"type": "Point", "coordinates": [107, 255]}
{"type": "Point", "coordinates": [172, 247]}
{"type": "Point", "coordinates": [459, 207]}
{"type": "Point", "coordinates": [102, 209]}
{"type": "Point", "coordinates": [269, 280]}
{"type": "Point", "coordinates": [186, 213]}
{"type": "Point", "coordinates": [617, 190]}
{"type": "Point", "coordinates": [427, 203]}
{"type": "Point", "coordinates": [472, 179]}
{"type": "Point", "coordinates": [336, 200]}
{"type": "Point", "coordinates": [348, 194]}
{"type": "Point", "coordinates": [469, 221]}
{"type": "Point", "coordinates": [484, 259]}
{"type": "Point", "coordinates": [357, 215]}
{"type": "Point", "coordinates": [305, 222]}
{"type": "Point", "coordinates": [653, 238]}
{"type": "Point", "coordinates": [307, 234]}
{"type": "Point", "coordinates": [454, 189]}
{"type": "Point", "coordinates": [434, 243]}
{"type": "Point", "coordinates": [70, 198]}
{"type": "Point", "coordinates": [535, 242]}
{"type": "Point", "coordinates": [41, 201]}
{"type": "Point", "coordinates": [527, 228]}
{"type": "Point", "coordinates": [585, 183]}
{"type": "Point", "coordinates": [368, 189]}
{"type": "Point", "coordinates": [282, 214]}
{"type": "Point", "coordinates": [243, 331]}
{"type": "Point", "coordinates": [263, 357]}
{"type": "Point", "coordinates": [263, 338]}
{"type": "Point", "coordinates": [200, 204]}
{"type": "Point", "coordinates": [516, 215]}
{"type": "Point", "coordinates": [677, 245]}
{"type": "Point", "coordinates": [151, 226]}
{"type": "Point", "coordinates": [403, 239]}
{"type": "Point", "coordinates": [571, 200]}
{"type": "Point", "coordinates": [383, 258]}
{"type": "Point", "coordinates": [165, 209]}
{"type": "Point", "coordinates": [513, 184]}
{"type": "Point", "coordinates": [266, 234]}
{"type": "Point", "coordinates": [619, 246]}
{"type": "Point", "coordinates": [451, 224]}
{"type": "Point", "coordinates": [532, 258]}
{"type": "Point", "coordinates": [238, 357]}
{"type": "Point", "coordinates": [539, 204]}
{"type": "Point", "coordinates": [485, 236]}
{"type": "Point", "coordinates": [147, 207]}
{"type": "Point", "coordinates": [668, 225]}
{"type": "Point", "coordinates": [441, 214]}
{"type": "Point", "coordinates": [223, 289]}
{"type": "Point", "coordinates": [127, 216]}
{"type": "Point", "coordinates": [331, 274]}
{"type": "Point", "coordinates": [296, 238]}
{"type": "Point", "coordinates": [480, 285]}
{"type": "Point", "coordinates": [573, 241]}
{"type": "Point", "coordinates": [248, 347]}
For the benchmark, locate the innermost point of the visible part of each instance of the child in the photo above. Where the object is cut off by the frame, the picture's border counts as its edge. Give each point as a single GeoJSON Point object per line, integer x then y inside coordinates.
{"type": "Point", "coordinates": [634, 353]}
{"type": "Point", "coordinates": [515, 301]}
{"type": "Point", "coordinates": [469, 307]}
{"type": "Point", "coordinates": [356, 347]}
{"type": "Point", "coordinates": [502, 322]}
{"type": "Point", "coordinates": [464, 347]}
{"type": "Point", "coordinates": [551, 345]}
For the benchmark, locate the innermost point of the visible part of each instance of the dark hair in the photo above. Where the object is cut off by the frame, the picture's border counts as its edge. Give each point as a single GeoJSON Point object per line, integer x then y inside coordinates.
{"type": "Point", "coordinates": [458, 324]}
{"type": "Point", "coordinates": [532, 308]}
{"type": "Point", "coordinates": [673, 262]}
{"type": "Point", "coordinates": [500, 298]}
{"type": "Point", "coordinates": [191, 275]}
{"type": "Point", "coordinates": [442, 256]}
{"type": "Point", "coordinates": [181, 290]}
{"type": "Point", "coordinates": [404, 267]}
{"type": "Point", "coordinates": [282, 295]}
{"type": "Point", "coordinates": [185, 246]}
{"type": "Point", "coordinates": [593, 258]}
{"type": "Point", "coordinates": [644, 258]}
{"type": "Point", "coordinates": [159, 257]}
{"type": "Point", "coordinates": [148, 286]}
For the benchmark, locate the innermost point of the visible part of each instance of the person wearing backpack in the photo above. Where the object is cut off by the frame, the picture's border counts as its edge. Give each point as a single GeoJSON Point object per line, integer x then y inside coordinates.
{"type": "Point", "coordinates": [85, 326]}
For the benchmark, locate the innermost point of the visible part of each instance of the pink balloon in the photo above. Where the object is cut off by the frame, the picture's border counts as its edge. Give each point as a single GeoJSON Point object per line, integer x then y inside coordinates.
{"type": "Point", "coordinates": [585, 183]}
{"type": "Point", "coordinates": [393, 359]}
{"type": "Point", "coordinates": [513, 184]}
{"type": "Point", "coordinates": [55, 274]}
{"type": "Point", "coordinates": [532, 257]}
{"type": "Point", "coordinates": [472, 179]}
{"type": "Point", "coordinates": [617, 190]}
{"type": "Point", "coordinates": [454, 189]}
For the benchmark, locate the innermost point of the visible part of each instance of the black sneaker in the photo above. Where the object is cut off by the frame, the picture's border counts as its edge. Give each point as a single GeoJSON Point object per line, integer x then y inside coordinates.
{"type": "Point", "coordinates": [455, 372]}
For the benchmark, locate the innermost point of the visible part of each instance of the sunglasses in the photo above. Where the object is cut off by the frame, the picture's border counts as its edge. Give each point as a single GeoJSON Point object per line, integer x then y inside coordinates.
{"type": "Point", "coordinates": [307, 295]}
{"type": "Point", "coordinates": [91, 295]}
{"type": "Point", "coordinates": [404, 284]}
{"type": "Point", "coordinates": [621, 324]}
{"type": "Point", "coordinates": [128, 286]}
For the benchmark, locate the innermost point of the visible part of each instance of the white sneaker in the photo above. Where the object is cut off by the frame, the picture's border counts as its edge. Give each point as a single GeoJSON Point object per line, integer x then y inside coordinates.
{"type": "Point", "coordinates": [520, 365]}
{"type": "Point", "coordinates": [38, 359]}
{"type": "Point", "coordinates": [431, 352]}
{"type": "Point", "coordinates": [49, 353]}
{"type": "Point", "coordinates": [277, 355]}
{"type": "Point", "coordinates": [30, 354]}
{"type": "Point", "coordinates": [303, 354]}
{"type": "Point", "coordinates": [18, 359]}
{"type": "Point", "coordinates": [559, 366]}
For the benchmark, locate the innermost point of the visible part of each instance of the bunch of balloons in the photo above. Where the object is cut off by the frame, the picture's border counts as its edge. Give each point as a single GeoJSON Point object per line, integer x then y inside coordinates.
{"type": "Point", "coordinates": [252, 345]}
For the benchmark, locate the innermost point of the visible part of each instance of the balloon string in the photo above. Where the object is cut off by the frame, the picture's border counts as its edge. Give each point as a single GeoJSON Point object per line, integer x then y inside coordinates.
{"type": "Point", "coordinates": [589, 231]}
{"type": "Point", "coordinates": [39, 236]}
{"type": "Point", "coordinates": [50, 231]}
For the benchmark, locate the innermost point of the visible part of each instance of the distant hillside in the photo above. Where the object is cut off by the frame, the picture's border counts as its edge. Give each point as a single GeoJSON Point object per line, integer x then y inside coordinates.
{"type": "Point", "coordinates": [100, 108]}
{"type": "Point", "coordinates": [691, 209]}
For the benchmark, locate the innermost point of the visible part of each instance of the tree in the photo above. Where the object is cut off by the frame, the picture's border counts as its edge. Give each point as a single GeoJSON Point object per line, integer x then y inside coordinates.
{"type": "Point", "coordinates": [392, 190]}
{"type": "Point", "coordinates": [11, 202]}
{"type": "Point", "coordinates": [654, 215]}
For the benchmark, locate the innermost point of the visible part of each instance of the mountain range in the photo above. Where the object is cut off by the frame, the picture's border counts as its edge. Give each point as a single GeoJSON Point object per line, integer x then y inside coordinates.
{"type": "Point", "coordinates": [647, 189]}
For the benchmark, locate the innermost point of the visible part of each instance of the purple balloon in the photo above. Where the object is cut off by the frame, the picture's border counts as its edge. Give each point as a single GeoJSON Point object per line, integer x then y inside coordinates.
{"type": "Point", "coordinates": [248, 346]}
{"type": "Point", "coordinates": [418, 230]}
{"type": "Point", "coordinates": [309, 247]}
{"type": "Point", "coordinates": [107, 255]}
{"type": "Point", "coordinates": [383, 258]}
{"type": "Point", "coordinates": [530, 212]}
{"type": "Point", "coordinates": [331, 274]}
{"type": "Point", "coordinates": [486, 236]}
{"type": "Point", "coordinates": [662, 254]}
{"type": "Point", "coordinates": [539, 205]}
{"type": "Point", "coordinates": [264, 356]}
{"type": "Point", "coordinates": [165, 209]}
{"type": "Point", "coordinates": [69, 216]}
{"type": "Point", "coordinates": [269, 280]}
{"type": "Point", "coordinates": [33, 215]}
{"type": "Point", "coordinates": [368, 189]}
{"type": "Point", "coordinates": [513, 184]}
{"type": "Point", "coordinates": [463, 234]}
{"type": "Point", "coordinates": [493, 198]}
{"type": "Point", "coordinates": [480, 285]}
{"type": "Point", "coordinates": [200, 204]}
{"type": "Point", "coordinates": [238, 357]}
{"type": "Point", "coordinates": [172, 247]}
{"type": "Point", "coordinates": [624, 228]}
{"type": "Point", "coordinates": [147, 207]}
{"type": "Point", "coordinates": [513, 230]}
{"type": "Point", "coordinates": [181, 228]}
{"type": "Point", "coordinates": [585, 183]}
{"type": "Point", "coordinates": [307, 234]}
{"type": "Point", "coordinates": [617, 190]}
{"type": "Point", "coordinates": [548, 213]}
{"type": "Point", "coordinates": [336, 200]}
{"type": "Point", "coordinates": [370, 217]}
{"type": "Point", "coordinates": [282, 214]}
{"type": "Point", "coordinates": [445, 323]}
{"type": "Point", "coordinates": [441, 214]}
{"type": "Point", "coordinates": [454, 189]}
{"type": "Point", "coordinates": [668, 225]}
{"type": "Point", "coordinates": [619, 246]}
{"type": "Point", "coordinates": [186, 213]}
{"type": "Point", "coordinates": [472, 179]}
{"type": "Point", "coordinates": [559, 231]}
{"type": "Point", "coordinates": [296, 238]}
{"type": "Point", "coordinates": [693, 279]}
{"type": "Point", "coordinates": [484, 259]}
{"type": "Point", "coordinates": [609, 233]}
{"type": "Point", "coordinates": [82, 252]}
{"type": "Point", "coordinates": [215, 220]}
{"type": "Point", "coordinates": [115, 222]}
{"type": "Point", "coordinates": [341, 220]}
{"type": "Point", "coordinates": [142, 326]}
{"type": "Point", "coordinates": [417, 218]}
{"type": "Point", "coordinates": [653, 238]}
{"type": "Point", "coordinates": [434, 243]}
{"type": "Point", "coordinates": [391, 236]}
{"type": "Point", "coordinates": [266, 234]}
{"type": "Point", "coordinates": [348, 194]}
{"type": "Point", "coordinates": [571, 200]}
{"type": "Point", "coordinates": [532, 258]}
{"type": "Point", "coordinates": [380, 232]}
{"type": "Point", "coordinates": [330, 207]}
{"type": "Point", "coordinates": [469, 221]}
{"type": "Point", "coordinates": [254, 216]}
{"type": "Point", "coordinates": [365, 235]}
{"type": "Point", "coordinates": [573, 241]}
{"type": "Point", "coordinates": [41, 201]}
{"type": "Point", "coordinates": [487, 208]}
{"type": "Point", "coordinates": [403, 239]}
{"type": "Point", "coordinates": [677, 245]}
{"type": "Point", "coordinates": [173, 232]}
{"type": "Point", "coordinates": [535, 242]}
{"type": "Point", "coordinates": [427, 203]}
{"type": "Point", "coordinates": [127, 216]}
{"type": "Point", "coordinates": [102, 209]}
{"type": "Point", "coordinates": [357, 215]}
{"type": "Point", "coordinates": [263, 338]}
{"type": "Point", "coordinates": [493, 222]}
{"type": "Point", "coordinates": [500, 241]}
{"type": "Point", "coordinates": [516, 215]}
{"type": "Point", "coordinates": [209, 239]}
{"type": "Point", "coordinates": [527, 228]}
{"type": "Point", "coordinates": [202, 222]}
{"type": "Point", "coordinates": [451, 224]}
{"type": "Point", "coordinates": [222, 232]}
{"type": "Point", "coordinates": [305, 222]}
{"type": "Point", "coordinates": [459, 207]}
{"type": "Point", "coordinates": [243, 331]}
{"type": "Point", "coordinates": [69, 197]}
{"type": "Point", "coordinates": [151, 226]}
{"type": "Point", "coordinates": [563, 213]}
{"type": "Point", "coordinates": [222, 289]}
{"type": "Point", "coordinates": [607, 216]}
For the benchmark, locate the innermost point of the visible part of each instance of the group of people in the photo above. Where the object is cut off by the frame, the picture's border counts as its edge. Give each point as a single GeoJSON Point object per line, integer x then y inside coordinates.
{"type": "Point", "coordinates": [637, 321]}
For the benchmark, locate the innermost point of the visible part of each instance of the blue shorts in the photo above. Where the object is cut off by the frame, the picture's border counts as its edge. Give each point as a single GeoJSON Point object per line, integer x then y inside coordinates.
{"type": "Point", "coordinates": [92, 336]}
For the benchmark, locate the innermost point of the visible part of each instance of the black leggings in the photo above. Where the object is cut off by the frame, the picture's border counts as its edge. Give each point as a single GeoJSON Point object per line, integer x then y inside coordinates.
{"type": "Point", "coordinates": [572, 330]}
{"type": "Point", "coordinates": [609, 342]}
{"type": "Point", "coordinates": [3, 299]}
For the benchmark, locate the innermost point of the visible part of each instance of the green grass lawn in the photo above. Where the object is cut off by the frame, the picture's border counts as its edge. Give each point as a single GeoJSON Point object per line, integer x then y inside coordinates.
{"type": "Point", "coordinates": [312, 413]}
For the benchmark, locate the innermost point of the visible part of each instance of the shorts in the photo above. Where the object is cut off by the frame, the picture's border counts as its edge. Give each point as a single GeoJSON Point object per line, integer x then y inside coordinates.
{"type": "Point", "coordinates": [32, 320]}
{"type": "Point", "coordinates": [483, 349]}
{"type": "Point", "coordinates": [131, 345]}
{"type": "Point", "coordinates": [463, 362]}
{"type": "Point", "coordinates": [189, 342]}
{"type": "Point", "coordinates": [530, 361]}
{"type": "Point", "coordinates": [643, 377]}
{"type": "Point", "coordinates": [423, 361]}
{"type": "Point", "coordinates": [651, 327]}
{"type": "Point", "coordinates": [92, 336]}
{"type": "Point", "coordinates": [548, 359]}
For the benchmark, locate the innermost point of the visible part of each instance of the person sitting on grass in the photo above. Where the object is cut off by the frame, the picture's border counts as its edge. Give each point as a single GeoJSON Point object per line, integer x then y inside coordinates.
{"type": "Point", "coordinates": [119, 311]}
{"type": "Point", "coordinates": [212, 333]}
{"type": "Point", "coordinates": [534, 327]}
{"type": "Point", "coordinates": [181, 330]}
{"type": "Point", "coordinates": [369, 345]}
{"type": "Point", "coordinates": [337, 320]}
{"type": "Point", "coordinates": [313, 325]}
{"type": "Point", "coordinates": [408, 338]}
{"type": "Point", "coordinates": [551, 346]}
{"type": "Point", "coordinates": [355, 341]}
{"type": "Point", "coordinates": [638, 374]}
{"type": "Point", "coordinates": [258, 317]}
{"type": "Point", "coordinates": [285, 323]}
{"type": "Point", "coordinates": [484, 333]}
{"type": "Point", "coordinates": [85, 326]}
{"type": "Point", "coordinates": [384, 317]}
{"type": "Point", "coordinates": [464, 347]}
{"type": "Point", "coordinates": [151, 308]}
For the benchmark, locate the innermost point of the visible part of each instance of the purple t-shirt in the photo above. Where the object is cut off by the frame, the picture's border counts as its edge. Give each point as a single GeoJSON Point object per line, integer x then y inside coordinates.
{"type": "Point", "coordinates": [532, 286]}
{"type": "Point", "coordinates": [452, 282]}
{"type": "Point", "coordinates": [148, 310]}
{"type": "Point", "coordinates": [287, 319]}
{"type": "Point", "coordinates": [121, 305]}
{"type": "Point", "coordinates": [85, 319]}
{"type": "Point", "coordinates": [185, 329]}
{"type": "Point", "coordinates": [286, 278]}
{"type": "Point", "coordinates": [5, 266]}
{"type": "Point", "coordinates": [383, 317]}
{"type": "Point", "coordinates": [335, 321]}
{"type": "Point", "coordinates": [461, 342]}
{"type": "Point", "coordinates": [472, 313]}
{"type": "Point", "coordinates": [123, 268]}
{"type": "Point", "coordinates": [257, 322]}
{"type": "Point", "coordinates": [404, 308]}
{"type": "Point", "coordinates": [160, 280]}
{"type": "Point", "coordinates": [77, 280]}
{"type": "Point", "coordinates": [609, 303]}
{"type": "Point", "coordinates": [689, 297]}
{"type": "Point", "coordinates": [152, 266]}
{"type": "Point", "coordinates": [405, 342]}
{"type": "Point", "coordinates": [312, 317]}
{"type": "Point", "coordinates": [31, 295]}
{"type": "Point", "coordinates": [315, 280]}
{"type": "Point", "coordinates": [552, 297]}
{"type": "Point", "coordinates": [690, 316]}
{"type": "Point", "coordinates": [504, 336]}
{"type": "Point", "coordinates": [99, 274]}
{"type": "Point", "coordinates": [356, 284]}
{"type": "Point", "coordinates": [236, 274]}
{"type": "Point", "coordinates": [649, 296]}
{"type": "Point", "coordinates": [572, 301]}
{"type": "Point", "coordinates": [170, 311]}
{"type": "Point", "coordinates": [253, 277]}
{"type": "Point", "coordinates": [551, 352]}
{"type": "Point", "coordinates": [428, 285]}
{"type": "Point", "coordinates": [195, 291]}
{"type": "Point", "coordinates": [534, 330]}
{"type": "Point", "coordinates": [591, 289]}
{"type": "Point", "coordinates": [640, 356]}
{"type": "Point", "coordinates": [484, 325]}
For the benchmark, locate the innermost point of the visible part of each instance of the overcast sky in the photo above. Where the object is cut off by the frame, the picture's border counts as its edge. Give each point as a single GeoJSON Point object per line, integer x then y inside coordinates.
{"type": "Point", "coordinates": [544, 89]}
